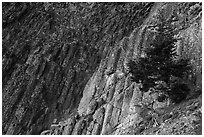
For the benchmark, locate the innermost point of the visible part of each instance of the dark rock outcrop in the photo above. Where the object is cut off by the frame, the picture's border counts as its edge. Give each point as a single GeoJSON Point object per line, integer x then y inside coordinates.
{"type": "Point", "coordinates": [67, 62]}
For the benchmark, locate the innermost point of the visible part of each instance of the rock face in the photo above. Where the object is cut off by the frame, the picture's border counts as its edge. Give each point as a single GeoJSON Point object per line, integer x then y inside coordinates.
{"type": "Point", "coordinates": [67, 62]}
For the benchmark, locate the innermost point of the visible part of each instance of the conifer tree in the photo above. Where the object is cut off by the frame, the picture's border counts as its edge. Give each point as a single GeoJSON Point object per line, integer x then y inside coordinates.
{"type": "Point", "coordinates": [160, 63]}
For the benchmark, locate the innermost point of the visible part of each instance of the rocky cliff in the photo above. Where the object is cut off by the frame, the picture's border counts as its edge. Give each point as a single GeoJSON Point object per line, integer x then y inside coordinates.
{"type": "Point", "coordinates": [65, 68]}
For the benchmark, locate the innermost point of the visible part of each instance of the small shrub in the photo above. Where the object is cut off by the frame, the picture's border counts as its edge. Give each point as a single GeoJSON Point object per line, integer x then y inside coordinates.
{"type": "Point", "coordinates": [178, 92]}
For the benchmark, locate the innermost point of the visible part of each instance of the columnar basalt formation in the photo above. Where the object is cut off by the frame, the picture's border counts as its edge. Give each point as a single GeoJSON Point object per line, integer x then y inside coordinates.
{"type": "Point", "coordinates": [65, 67]}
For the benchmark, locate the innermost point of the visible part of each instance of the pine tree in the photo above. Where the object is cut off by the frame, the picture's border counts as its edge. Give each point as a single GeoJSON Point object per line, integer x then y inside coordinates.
{"type": "Point", "coordinates": [160, 64]}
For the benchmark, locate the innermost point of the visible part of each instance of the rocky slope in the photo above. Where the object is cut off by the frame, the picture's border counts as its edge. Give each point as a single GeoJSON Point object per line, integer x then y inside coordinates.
{"type": "Point", "coordinates": [64, 68]}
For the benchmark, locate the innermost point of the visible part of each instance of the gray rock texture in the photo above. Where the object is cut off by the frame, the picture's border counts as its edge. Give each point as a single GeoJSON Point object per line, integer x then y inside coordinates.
{"type": "Point", "coordinates": [68, 61]}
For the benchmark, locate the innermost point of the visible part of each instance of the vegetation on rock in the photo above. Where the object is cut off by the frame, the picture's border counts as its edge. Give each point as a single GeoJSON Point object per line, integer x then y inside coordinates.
{"type": "Point", "coordinates": [159, 68]}
{"type": "Point", "coordinates": [64, 68]}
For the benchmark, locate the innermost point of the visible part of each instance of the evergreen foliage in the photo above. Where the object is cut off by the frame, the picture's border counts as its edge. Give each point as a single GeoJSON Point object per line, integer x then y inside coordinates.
{"type": "Point", "coordinates": [161, 64]}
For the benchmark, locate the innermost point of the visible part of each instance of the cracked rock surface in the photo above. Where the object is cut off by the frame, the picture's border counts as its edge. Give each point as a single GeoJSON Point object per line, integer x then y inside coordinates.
{"type": "Point", "coordinates": [64, 69]}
